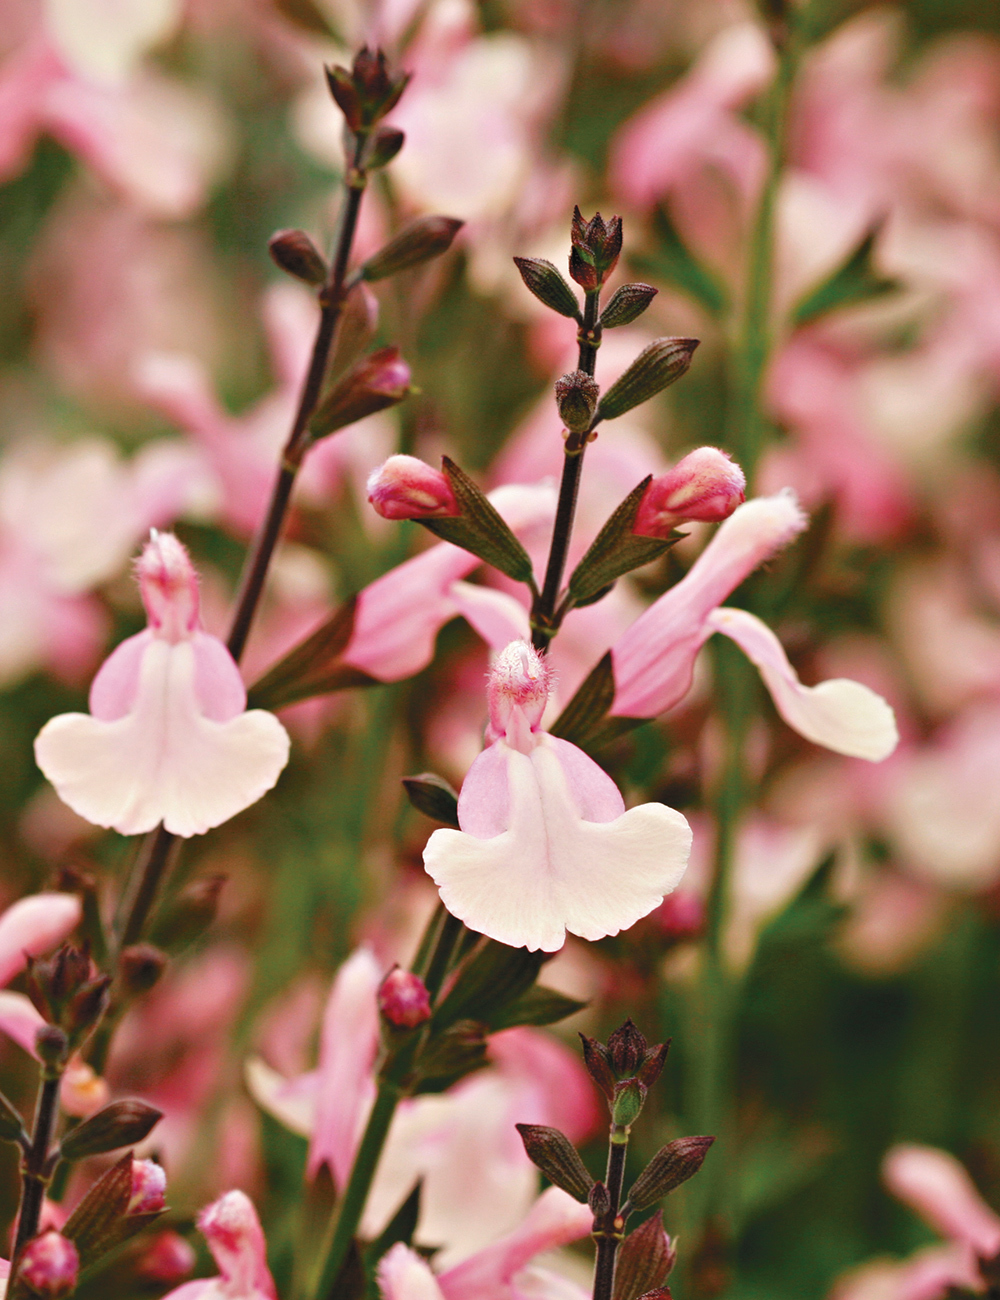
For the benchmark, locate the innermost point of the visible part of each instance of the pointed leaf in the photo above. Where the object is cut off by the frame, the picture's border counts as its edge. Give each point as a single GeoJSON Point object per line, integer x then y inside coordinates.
{"type": "Point", "coordinates": [433, 796]}
{"type": "Point", "coordinates": [645, 1259]}
{"type": "Point", "coordinates": [674, 262]}
{"type": "Point", "coordinates": [589, 706]}
{"type": "Point", "coordinates": [616, 550]}
{"type": "Point", "coordinates": [489, 979]}
{"type": "Point", "coordinates": [480, 528]}
{"type": "Point", "coordinates": [539, 1006]}
{"type": "Point", "coordinates": [451, 1055]}
{"type": "Point", "coordinates": [400, 1228]}
{"type": "Point", "coordinates": [855, 281]}
{"type": "Point", "coordinates": [672, 1165]}
{"type": "Point", "coordinates": [554, 1154]}
{"type": "Point", "coordinates": [313, 667]}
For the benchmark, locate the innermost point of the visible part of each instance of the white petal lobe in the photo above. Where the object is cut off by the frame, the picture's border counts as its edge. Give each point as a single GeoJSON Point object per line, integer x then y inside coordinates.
{"type": "Point", "coordinates": [164, 761]}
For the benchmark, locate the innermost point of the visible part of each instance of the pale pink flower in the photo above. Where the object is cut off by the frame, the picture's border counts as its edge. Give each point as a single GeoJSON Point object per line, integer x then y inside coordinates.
{"type": "Point", "coordinates": [168, 739]}
{"type": "Point", "coordinates": [477, 1181]}
{"type": "Point", "coordinates": [236, 1240]}
{"type": "Point", "coordinates": [501, 1271]}
{"type": "Point", "coordinates": [654, 660]}
{"type": "Point", "coordinates": [243, 450]}
{"type": "Point", "coordinates": [546, 845]}
{"type": "Point", "coordinates": [408, 488]}
{"type": "Point", "coordinates": [30, 927]}
{"type": "Point", "coordinates": [937, 1186]}
{"type": "Point", "coordinates": [706, 485]}
{"type": "Point", "coordinates": [77, 75]}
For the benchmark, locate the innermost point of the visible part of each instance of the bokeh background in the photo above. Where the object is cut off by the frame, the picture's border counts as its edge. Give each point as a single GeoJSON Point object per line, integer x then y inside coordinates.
{"type": "Point", "coordinates": [150, 354]}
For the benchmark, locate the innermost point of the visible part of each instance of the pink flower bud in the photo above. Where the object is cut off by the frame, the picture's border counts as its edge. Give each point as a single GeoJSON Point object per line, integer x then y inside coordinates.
{"type": "Point", "coordinates": [681, 915]}
{"type": "Point", "coordinates": [149, 1183]}
{"type": "Point", "coordinates": [50, 1264]}
{"type": "Point", "coordinates": [403, 999]}
{"type": "Point", "coordinates": [706, 485]}
{"type": "Point", "coordinates": [407, 488]}
{"type": "Point", "coordinates": [169, 587]}
{"type": "Point", "coordinates": [518, 691]}
{"type": "Point", "coordinates": [169, 1259]}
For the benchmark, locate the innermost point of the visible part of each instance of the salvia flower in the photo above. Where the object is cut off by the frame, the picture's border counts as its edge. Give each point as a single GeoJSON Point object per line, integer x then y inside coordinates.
{"type": "Point", "coordinates": [408, 488]}
{"type": "Point", "coordinates": [236, 1240]}
{"type": "Point", "coordinates": [168, 738]}
{"type": "Point", "coordinates": [49, 1265]}
{"type": "Point", "coordinates": [546, 844]}
{"type": "Point", "coordinates": [705, 486]}
{"type": "Point", "coordinates": [653, 661]}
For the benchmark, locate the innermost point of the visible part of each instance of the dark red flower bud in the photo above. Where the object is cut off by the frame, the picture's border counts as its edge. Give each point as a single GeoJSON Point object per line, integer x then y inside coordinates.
{"type": "Point", "coordinates": [626, 1050]}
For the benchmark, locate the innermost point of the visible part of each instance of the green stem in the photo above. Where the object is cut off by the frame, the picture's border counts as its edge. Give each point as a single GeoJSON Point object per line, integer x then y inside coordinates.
{"type": "Point", "coordinates": [755, 334]}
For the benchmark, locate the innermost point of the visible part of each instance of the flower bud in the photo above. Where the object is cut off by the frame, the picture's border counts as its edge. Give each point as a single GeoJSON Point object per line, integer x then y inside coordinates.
{"type": "Point", "coordinates": [543, 280]}
{"type": "Point", "coordinates": [380, 380]}
{"type": "Point", "coordinates": [706, 485]}
{"type": "Point", "coordinates": [191, 913]}
{"type": "Point", "coordinates": [169, 1259]}
{"type": "Point", "coordinates": [408, 488]}
{"type": "Point", "coordinates": [140, 967]}
{"type": "Point", "coordinates": [49, 1265]}
{"type": "Point", "coordinates": [627, 304]}
{"type": "Point", "coordinates": [656, 366]}
{"type": "Point", "coordinates": [168, 584]}
{"type": "Point", "coordinates": [626, 1049]}
{"type": "Point", "coordinates": [576, 398]}
{"type": "Point", "coordinates": [149, 1185]}
{"type": "Point", "coordinates": [596, 246]}
{"type": "Point", "coordinates": [599, 1200]}
{"type": "Point", "coordinates": [51, 1045]}
{"type": "Point", "coordinates": [81, 1091]}
{"type": "Point", "coordinates": [403, 999]}
{"type": "Point", "coordinates": [367, 92]}
{"type": "Point", "coordinates": [595, 1058]}
{"type": "Point", "coordinates": [629, 1098]}
{"type": "Point", "coordinates": [296, 253]}
{"type": "Point", "coordinates": [120, 1124]}
{"type": "Point", "coordinates": [385, 143]}
{"type": "Point", "coordinates": [518, 690]}
{"type": "Point", "coordinates": [672, 1165]}
{"type": "Point", "coordinates": [552, 1152]}
{"type": "Point", "coordinates": [421, 240]}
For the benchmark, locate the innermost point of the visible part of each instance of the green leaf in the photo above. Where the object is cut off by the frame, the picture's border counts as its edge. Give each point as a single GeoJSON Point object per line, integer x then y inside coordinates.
{"type": "Point", "coordinates": [645, 1259]}
{"type": "Point", "coordinates": [433, 796]}
{"type": "Point", "coordinates": [674, 262]}
{"type": "Point", "coordinates": [313, 667]}
{"type": "Point", "coordinates": [539, 1006]}
{"type": "Point", "coordinates": [584, 721]}
{"type": "Point", "coordinates": [480, 528]}
{"type": "Point", "coordinates": [855, 281]}
{"type": "Point", "coordinates": [489, 979]}
{"type": "Point", "coordinates": [452, 1054]}
{"type": "Point", "coordinates": [616, 550]}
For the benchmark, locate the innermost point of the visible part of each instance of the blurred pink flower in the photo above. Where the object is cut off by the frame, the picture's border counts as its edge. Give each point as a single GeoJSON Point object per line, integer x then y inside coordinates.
{"type": "Point", "coordinates": [77, 74]}
{"type": "Point", "coordinates": [236, 1240]}
{"type": "Point", "coordinates": [501, 1271]}
{"type": "Point", "coordinates": [937, 1186]}
{"type": "Point", "coordinates": [30, 927]}
{"type": "Point", "coordinates": [168, 739]}
{"type": "Point", "coordinates": [546, 844]}
{"type": "Point", "coordinates": [243, 451]}
{"type": "Point", "coordinates": [477, 1181]}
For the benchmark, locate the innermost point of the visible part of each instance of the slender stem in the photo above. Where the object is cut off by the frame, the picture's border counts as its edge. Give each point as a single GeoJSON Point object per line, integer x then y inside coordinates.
{"type": "Point", "coordinates": [543, 623]}
{"type": "Point", "coordinates": [394, 1084]}
{"type": "Point", "coordinates": [154, 857]}
{"type": "Point", "coordinates": [34, 1176]}
{"type": "Point", "coordinates": [609, 1229]}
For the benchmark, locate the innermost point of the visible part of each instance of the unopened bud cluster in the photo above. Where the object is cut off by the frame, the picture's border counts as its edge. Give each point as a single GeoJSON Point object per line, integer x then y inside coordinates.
{"type": "Point", "coordinates": [366, 92]}
{"type": "Point", "coordinates": [596, 246]}
{"type": "Point", "coordinates": [71, 994]}
{"type": "Point", "coordinates": [624, 1069]}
